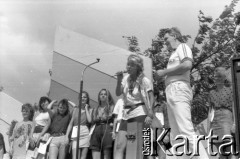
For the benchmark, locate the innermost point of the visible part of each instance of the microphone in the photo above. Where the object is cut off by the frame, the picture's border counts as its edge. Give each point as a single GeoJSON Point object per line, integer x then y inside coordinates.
{"type": "Point", "coordinates": [125, 71]}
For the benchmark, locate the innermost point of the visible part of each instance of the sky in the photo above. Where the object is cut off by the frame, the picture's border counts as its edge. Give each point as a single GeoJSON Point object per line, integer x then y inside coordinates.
{"type": "Point", "coordinates": [27, 30]}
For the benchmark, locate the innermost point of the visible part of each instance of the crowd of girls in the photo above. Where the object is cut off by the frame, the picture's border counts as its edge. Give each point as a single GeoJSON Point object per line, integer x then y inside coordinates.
{"type": "Point", "coordinates": [54, 125]}
{"type": "Point", "coordinates": [55, 129]}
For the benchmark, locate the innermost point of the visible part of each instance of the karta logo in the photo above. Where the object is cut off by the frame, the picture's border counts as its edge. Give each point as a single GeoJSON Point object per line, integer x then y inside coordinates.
{"type": "Point", "coordinates": [182, 144]}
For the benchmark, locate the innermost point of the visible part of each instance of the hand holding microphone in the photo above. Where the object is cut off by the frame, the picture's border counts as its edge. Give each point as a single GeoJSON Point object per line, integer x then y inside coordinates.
{"type": "Point", "coordinates": [119, 75]}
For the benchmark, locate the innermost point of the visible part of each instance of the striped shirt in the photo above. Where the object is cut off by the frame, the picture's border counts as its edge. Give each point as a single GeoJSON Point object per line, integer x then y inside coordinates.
{"type": "Point", "coordinates": [182, 53]}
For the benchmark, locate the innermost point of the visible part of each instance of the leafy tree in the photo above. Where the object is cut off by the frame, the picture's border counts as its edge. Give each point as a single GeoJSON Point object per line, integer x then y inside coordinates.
{"type": "Point", "coordinates": [132, 44]}
{"type": "Point", "coordinates": [216, 43]}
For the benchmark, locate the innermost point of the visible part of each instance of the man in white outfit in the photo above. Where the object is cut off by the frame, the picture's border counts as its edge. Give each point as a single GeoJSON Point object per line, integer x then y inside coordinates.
{"type": "Point", "coordinates": [178, 90]}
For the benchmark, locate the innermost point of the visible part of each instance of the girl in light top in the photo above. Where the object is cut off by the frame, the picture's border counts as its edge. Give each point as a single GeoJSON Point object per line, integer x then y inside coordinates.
{"type": "Point", "coordinates": [21, 133]}
{"type": "Point", "coordinates": [84, 130]}
{"type": "Point", "coordinates": [137, 91]}
{"type": "Point", "coordinates": [41, 122]}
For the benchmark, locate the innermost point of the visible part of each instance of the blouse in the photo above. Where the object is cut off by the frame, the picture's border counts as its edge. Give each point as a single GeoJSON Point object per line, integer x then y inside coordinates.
{"type": "Point", "coordinates": [222, 98]}
{"type": "Point", "coordinates": [139, 94]}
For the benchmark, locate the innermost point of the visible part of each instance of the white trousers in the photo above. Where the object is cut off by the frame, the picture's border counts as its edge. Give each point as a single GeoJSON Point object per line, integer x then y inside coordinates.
{"type": "Point", "coordinates": [179, 97]}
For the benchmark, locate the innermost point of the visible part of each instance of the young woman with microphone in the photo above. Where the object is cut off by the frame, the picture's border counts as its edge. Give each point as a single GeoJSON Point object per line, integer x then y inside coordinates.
{"type": "Point", "coordinates": [137, 91]}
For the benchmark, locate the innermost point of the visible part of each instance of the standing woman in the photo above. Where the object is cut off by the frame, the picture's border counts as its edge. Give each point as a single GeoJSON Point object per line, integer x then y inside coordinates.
{"type": "Point", "coordinates": [21, 133]}
{"type": "Point", "coordinates": [84, 130]}
{"type": "Point", "coordinates": [137, 93]}
{"type": "Point", "coordinates": [101, 139]}
{"type": "Point", "coordinates": [58, 129]}
{"type": "Point", "coordinates": [221, 100]}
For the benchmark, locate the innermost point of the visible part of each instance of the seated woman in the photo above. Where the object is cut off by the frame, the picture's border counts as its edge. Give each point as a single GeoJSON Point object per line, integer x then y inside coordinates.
{"type": "Point", "coordinates": [101, 139]}
{"type": "Point", "coordinates": [57, 131]}
{"type": "Point", "coordinates": [41, 124]}
{"type": "Point", "coordinates": [21, 133]}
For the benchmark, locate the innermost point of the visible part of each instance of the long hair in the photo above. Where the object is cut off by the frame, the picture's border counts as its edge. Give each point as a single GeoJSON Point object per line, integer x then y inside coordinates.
{"type": "Point", "coordinates": [110, 102]}
{"type": "Point", "coordinates": [138, 61]}
{"type": "Point", "coordinates": [88, 98]}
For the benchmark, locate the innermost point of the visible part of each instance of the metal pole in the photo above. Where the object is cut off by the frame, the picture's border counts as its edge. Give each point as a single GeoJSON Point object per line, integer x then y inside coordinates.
{"type": "Point", "coordinates": [80, 104]}
{"type": "Point", "coordinates": [79, 117]}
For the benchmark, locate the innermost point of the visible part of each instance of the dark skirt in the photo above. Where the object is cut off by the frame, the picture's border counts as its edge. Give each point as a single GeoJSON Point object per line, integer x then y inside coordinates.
{"type": "Point", "coordinates": [101, 137]}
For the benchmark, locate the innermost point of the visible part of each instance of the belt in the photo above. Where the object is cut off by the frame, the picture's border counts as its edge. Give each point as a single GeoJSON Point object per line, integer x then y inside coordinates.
{"type": "Point", "coordinates": [137, 119]}
{"type": "Point", "coordinates": [57, 134]}
{"type": "Point", "coordinates": [219, 108]}
{"type": "Point", "coordinates": [168, 83]}
{"type": "Point", "coordinates": [101, 122]}
{"type": "Point", "coordinates": [132, 107]}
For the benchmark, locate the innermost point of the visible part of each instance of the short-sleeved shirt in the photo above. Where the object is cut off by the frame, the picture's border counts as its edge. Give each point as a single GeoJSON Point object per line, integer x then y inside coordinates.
{"type": "Point", "coordinates": [181, 54]}
{"type": "Point", "coordinates": [59, 123]}
{"type": "Point", "coordinates": [42, 118]}
{"type": "Point", "coordinates": [222, 98]}
{"type": "Point", "coordinates": [21, 132]}
{"type": "Point", "coordinates": [136, 96]}
{"type": "Point", "coordinates": [118, 109]}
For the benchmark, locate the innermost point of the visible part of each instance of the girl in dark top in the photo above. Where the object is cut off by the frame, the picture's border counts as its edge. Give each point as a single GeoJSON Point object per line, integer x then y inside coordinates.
{"type": "Point", "coordinates": [58, 129]}
{"type": "Point", "coordinates": [102, 117]}
{"type": "Point", "coordinates": [84, 130]}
